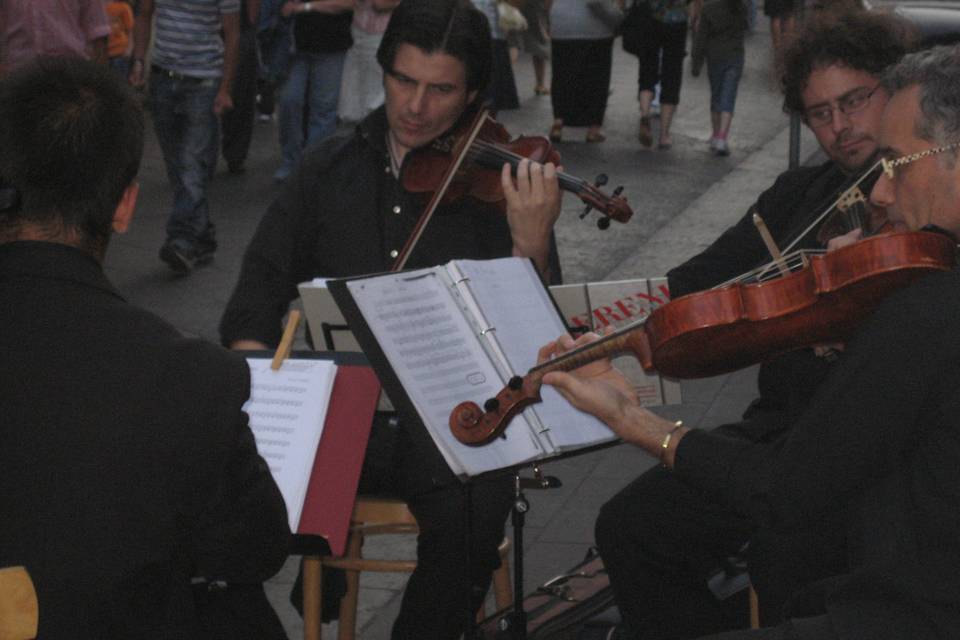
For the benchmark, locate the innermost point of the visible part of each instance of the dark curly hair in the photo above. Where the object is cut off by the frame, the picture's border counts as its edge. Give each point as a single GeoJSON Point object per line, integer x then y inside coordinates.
{"type": "Point", "coordinates": [863, 40]}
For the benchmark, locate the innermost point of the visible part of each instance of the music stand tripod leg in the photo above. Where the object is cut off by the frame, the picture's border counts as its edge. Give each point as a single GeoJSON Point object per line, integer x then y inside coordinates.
{"type": "Point", "coordinates": [517, 621]}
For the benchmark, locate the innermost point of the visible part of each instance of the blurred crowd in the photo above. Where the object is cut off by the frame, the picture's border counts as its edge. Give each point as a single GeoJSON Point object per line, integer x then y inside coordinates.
{"type": "Point", "coordinates": [311, 66]}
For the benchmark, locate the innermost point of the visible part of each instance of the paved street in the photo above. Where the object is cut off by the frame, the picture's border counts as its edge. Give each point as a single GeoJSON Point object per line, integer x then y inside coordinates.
{"type": "Point", "coordinates": [682, 199]}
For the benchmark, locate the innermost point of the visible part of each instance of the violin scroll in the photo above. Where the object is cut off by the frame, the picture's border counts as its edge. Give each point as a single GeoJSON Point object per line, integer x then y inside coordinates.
{"type": "Point", "coordinates": [475, 427]}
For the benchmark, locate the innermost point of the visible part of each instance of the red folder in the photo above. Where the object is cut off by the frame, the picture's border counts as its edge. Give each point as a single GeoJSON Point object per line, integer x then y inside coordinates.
{"type": "Point", "coordinates": [336, 467]}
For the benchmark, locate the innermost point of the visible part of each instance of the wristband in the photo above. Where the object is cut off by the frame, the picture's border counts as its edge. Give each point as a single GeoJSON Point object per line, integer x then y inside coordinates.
{"type": "Point", "coordinates": [665, 443]}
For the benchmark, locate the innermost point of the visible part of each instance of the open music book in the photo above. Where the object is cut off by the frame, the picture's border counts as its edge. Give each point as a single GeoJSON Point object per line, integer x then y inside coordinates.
{"type": "Point", "coordinates": [458, 332]}
{"type": "Point", "coordinates": [287, 410]}
{"type": "Point", "coordinates": [311, 420]}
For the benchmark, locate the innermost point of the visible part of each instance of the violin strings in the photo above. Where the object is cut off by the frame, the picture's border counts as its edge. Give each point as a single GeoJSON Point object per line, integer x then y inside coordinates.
{"type": "Point", "coordinates": [794, 261]}
{"type": "Point", "coordinates": [803, 234]}
{"type": "Point", "coordinates": [481, 150]}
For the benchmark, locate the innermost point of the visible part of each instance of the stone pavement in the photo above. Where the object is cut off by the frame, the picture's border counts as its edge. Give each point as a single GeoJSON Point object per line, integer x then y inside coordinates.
{"type": "Point", "coordinates": [682, 198]}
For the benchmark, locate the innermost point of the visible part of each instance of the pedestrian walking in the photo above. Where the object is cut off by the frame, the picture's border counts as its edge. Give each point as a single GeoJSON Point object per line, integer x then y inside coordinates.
{"type": "Point", "coordinates": [582, 48]}
{"type": "Point", "coordinates": [719, 41]}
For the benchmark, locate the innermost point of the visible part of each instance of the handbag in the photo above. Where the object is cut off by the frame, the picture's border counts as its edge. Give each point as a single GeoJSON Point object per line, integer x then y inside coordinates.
{"type": "Point", "coordinates": [608, 11]}
{"type": "Point", "coordinates": [509, 18]}
{"type": "Point", "coordinates": [632, 27]}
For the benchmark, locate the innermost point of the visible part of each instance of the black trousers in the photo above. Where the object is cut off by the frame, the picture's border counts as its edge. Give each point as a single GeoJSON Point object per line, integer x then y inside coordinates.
{"type": "Point", "coordinates": [815, 628]}
{"type": "Point", "coordinates": [661, 540]}
{"type": "Point", "coordinates": [456, 549]}
{"type": "Point", "coordinates": [236, 125]}
{"type": "Point", "coordinates": [662, 49]}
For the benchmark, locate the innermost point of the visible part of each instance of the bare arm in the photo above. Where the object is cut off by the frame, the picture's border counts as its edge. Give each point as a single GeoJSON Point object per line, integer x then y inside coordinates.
{"type": "Point", "coordinates": [141, 41]}
{"type": "Point", "coordinates": [253, 11]}
{"type": "Point", "coordinates": [231, 53]}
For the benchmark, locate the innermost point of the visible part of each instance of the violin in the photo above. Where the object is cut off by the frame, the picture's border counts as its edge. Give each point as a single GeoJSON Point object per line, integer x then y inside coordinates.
{"type": "Point", "coordinates": [819, 298]}
{"type": "Point", "coordinates": [479, 174]}
{"type": "Point", "coordinates": [467, 162]}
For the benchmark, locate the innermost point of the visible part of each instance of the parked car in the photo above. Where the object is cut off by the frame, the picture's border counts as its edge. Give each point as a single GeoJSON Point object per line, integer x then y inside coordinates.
{"type": "Point", "coordinates": [937, 20]}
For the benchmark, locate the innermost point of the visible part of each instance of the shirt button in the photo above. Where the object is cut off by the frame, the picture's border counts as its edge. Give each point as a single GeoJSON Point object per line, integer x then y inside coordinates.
{"type": "Point", "coordinates": [396, 209]}
{"type": "Point", "coordinates": [386, 169]}
{"type": "Point", "coordinates": [394, 253]}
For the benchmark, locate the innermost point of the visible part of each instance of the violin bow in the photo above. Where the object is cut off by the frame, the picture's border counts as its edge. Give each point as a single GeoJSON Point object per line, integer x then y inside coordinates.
{"type": "Point", "coordinates": [448, 176]}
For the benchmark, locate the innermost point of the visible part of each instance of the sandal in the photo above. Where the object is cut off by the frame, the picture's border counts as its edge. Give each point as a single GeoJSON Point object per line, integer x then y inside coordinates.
{"type": "Point", "coordinates": [556, 133]}
{"type": "Point", "coordinates": [541, 91]}
{"type": "Point", "coordinates": [595, 136]}
{"type": "Point", "coordinates": [645, 134]}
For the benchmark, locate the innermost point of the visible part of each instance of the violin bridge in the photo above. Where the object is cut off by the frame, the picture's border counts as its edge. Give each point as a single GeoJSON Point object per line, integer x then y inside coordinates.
{"type": "Point", "coordinates": [851, 197]}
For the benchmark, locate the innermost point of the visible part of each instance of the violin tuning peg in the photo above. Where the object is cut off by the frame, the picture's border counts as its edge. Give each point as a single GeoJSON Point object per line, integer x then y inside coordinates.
{"type": "Point", "coordinates": [492, 405]}
{"type": "Point", "coordinates": [603, 223]}
{"type": "Point", "coordinates": [601, 180]}
{"type": "Point", "coordinates": [515, 383]}
{"type": "Point", "coordinates": [586, 212]}
{"type": "Point", "coordinates": [618, 191]}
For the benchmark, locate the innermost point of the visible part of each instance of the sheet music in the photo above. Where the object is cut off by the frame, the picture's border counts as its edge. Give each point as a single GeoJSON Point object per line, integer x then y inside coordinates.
{"type": "Point", "coordinates": [439, 361]}
{"type": "Point", "coordinates": [287, 409]}
{"type": "Point", "coordinates": [513, 300]}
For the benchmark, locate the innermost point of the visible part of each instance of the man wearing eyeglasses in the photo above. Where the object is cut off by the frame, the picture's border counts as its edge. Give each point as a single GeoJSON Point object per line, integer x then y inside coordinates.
{"type": "Point", "coordinates": [877, 452]}
{"type": "Point", "coordinates": [665, 544]}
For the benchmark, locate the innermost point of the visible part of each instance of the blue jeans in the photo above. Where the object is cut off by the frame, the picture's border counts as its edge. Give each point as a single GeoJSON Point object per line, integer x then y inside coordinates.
{"type": "Point", "coordinates": [312, 88]}
{"type": "Point", "coordinates": [724, 80]}
{"type": "Point", "coordinates": [187, 131]}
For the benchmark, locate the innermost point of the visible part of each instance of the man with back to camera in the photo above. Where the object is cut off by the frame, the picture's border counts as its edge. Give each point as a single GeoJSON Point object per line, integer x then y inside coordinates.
{"type": "Point", "coordinates": [131, 489]}
{"type": "Point", "coordinates": [876, 450]}
{"type": "Point", "coordinates": [661, 539]}
{"type": "Point", "coordinates": [344, 213]}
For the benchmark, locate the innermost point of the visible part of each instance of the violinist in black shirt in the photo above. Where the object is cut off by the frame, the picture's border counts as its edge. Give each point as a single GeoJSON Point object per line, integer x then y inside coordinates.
{"type": "Point", "coordinates": [344, 213]}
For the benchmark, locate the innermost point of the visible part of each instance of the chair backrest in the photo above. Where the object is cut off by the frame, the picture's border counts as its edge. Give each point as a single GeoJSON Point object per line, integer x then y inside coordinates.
{"type": "Point", "coordinates": [19, 610]}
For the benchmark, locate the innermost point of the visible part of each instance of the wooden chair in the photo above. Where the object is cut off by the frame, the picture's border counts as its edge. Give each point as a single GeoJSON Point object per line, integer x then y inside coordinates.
{"type": "Point", "coordinates": [754, 609]}
{"type": "Point", "coordinates": [375, 516]}
{"type": "Point", "coordinates": [19, 610]}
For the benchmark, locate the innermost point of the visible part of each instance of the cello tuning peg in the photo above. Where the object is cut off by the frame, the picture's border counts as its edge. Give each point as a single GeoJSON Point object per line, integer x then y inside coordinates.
{"type": "Point", "coordinates": [603, 223]}
{"type": "Point", "coordinates": [601, 180]}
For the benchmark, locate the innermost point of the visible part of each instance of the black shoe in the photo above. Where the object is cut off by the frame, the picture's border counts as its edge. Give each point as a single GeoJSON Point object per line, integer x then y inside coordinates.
{"type": "Point", "coordinates": [236, 168]}
{"type": "Point", "coordinates": [183, 258]}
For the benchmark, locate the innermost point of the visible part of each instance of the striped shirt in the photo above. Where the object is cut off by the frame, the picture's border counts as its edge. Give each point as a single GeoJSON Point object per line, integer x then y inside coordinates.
{"type": "Point", "coordinates": [188, 36]}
